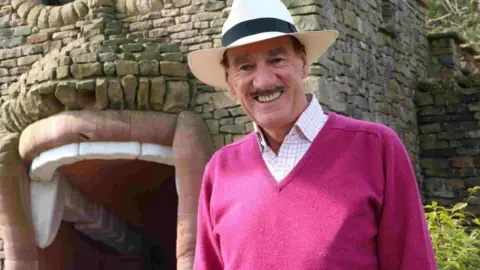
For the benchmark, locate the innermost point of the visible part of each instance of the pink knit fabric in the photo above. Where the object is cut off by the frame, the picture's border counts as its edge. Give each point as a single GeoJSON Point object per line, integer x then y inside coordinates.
{"type": "Point", "coordinates": [350, 203]}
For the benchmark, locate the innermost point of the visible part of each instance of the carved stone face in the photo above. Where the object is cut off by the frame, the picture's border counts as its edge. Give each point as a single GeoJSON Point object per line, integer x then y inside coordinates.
{"type": "Point", "coordinates": [100, 151]}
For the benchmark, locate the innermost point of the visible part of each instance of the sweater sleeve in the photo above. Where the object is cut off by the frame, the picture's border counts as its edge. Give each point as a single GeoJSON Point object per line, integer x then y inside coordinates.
{"type": "Point", "coordinates": [207, 253]}
{"type": "Point", "coordinates": [403, 239]}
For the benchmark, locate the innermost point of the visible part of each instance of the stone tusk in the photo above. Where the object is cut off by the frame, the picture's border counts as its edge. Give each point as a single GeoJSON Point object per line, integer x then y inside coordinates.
{"type": "Point", "coordinates": [47, 206]}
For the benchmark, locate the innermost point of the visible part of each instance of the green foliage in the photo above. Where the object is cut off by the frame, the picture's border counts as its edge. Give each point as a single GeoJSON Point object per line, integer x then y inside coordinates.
{"type": "Point", "coordinates": [455, 235]}
{"type": "Point", "coordinates": [462, 16]}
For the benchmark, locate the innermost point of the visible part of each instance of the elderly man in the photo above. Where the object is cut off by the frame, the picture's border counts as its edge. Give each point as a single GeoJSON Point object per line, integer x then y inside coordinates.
{"type": "Point", "coordinates": [306, 189]}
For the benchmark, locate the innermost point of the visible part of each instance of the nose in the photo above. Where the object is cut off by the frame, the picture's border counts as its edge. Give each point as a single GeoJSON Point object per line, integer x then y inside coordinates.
{"type": "Point", "coordinates": [264, 78]}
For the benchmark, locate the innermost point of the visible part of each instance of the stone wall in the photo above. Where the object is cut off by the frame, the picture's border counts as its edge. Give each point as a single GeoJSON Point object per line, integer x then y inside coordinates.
{"type": "Point", "coordinates": [449, 121]}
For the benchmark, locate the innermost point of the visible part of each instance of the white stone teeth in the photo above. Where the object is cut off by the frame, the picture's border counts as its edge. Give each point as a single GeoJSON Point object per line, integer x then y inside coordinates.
{"type": "Point", "coordinates": [157, 153]}
{"type": "Point", "coordinates": [47, 205]}
{"type": "Point", "coordinates": [109, 150]}
{"type": "Point", "coordinates": [44, 165]}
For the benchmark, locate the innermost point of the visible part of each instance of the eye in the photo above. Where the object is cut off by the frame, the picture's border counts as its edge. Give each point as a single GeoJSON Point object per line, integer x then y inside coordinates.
{"type": "Point", "coordinates": [246, 67]}
{"type": "Point", "coordinates": [277, 60]}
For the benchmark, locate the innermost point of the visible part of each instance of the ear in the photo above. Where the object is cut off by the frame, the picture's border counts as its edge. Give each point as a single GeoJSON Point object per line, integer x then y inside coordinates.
{"type": "Point", "coordinates": [305, 68]}
{"type": "Point", "coordinates": [230, 89]}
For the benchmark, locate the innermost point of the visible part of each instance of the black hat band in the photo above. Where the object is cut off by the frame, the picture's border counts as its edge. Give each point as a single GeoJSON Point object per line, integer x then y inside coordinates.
{"type": "Point", "coordinates": [256, 26]}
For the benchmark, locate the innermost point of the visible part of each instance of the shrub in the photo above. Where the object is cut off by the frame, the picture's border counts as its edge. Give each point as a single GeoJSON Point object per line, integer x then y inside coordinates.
{"type": "Point", "coordinates": [455, 234]}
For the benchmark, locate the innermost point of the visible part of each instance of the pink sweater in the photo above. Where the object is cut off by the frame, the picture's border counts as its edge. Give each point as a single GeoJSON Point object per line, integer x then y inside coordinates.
{"type": "Point", "coordinates": [351, 203]}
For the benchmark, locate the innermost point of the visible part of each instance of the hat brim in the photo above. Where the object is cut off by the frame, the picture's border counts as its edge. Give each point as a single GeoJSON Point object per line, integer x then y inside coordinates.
{"type": "Point", "coordinates": [206, 64]}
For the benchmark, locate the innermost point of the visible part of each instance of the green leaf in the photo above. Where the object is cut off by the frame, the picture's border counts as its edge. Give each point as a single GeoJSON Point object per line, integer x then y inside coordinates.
{"type": "Point", "coordinates": [459, 206]}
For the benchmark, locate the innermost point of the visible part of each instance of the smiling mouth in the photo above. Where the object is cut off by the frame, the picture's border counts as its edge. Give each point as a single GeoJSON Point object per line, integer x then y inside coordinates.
{"type": "Point", "coordinates": [269, 97]}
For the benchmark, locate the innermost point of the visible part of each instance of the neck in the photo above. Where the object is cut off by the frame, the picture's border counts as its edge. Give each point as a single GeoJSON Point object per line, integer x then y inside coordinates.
{"type": "Point", "coordinates": [275, 136]}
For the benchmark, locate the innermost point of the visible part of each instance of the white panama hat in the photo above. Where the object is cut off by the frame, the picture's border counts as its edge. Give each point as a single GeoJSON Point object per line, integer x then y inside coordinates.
{"type": "Point", "coordinates": [252, 21]}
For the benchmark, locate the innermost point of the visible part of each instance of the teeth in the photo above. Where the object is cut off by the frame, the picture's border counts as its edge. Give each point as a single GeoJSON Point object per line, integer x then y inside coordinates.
{"type": "Point", "coordinates": [58, 199]}
{"type": "Point", "coordinates": [270, 97]}
{"type": "Point", "coordinates": [53, 198]}
{"type": "Point", "coordinates": [44, 165]}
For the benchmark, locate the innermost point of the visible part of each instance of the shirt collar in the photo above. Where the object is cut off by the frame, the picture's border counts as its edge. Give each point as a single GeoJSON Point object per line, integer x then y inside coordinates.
{"type": "Point", "coordinates": [309, 123]}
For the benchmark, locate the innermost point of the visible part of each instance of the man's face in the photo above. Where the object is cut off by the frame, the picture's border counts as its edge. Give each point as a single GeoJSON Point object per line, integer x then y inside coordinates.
{"type": "Point", "coordinates": [267, 79]}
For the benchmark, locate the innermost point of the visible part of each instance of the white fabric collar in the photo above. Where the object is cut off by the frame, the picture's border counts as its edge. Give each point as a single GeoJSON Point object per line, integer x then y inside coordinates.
{"type": "Point", "coordinates": [306, 123]}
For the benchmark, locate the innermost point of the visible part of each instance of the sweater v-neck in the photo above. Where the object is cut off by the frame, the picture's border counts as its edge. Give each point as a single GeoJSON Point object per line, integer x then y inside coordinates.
{"type": "Point", "coordinates": [319, 139]}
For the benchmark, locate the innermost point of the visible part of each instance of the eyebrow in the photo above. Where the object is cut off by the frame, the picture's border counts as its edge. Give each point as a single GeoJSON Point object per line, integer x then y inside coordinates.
{"type": "Point", "coordinates": [240, 59]}
{"type": "Point", "coordinates": [277, 50]}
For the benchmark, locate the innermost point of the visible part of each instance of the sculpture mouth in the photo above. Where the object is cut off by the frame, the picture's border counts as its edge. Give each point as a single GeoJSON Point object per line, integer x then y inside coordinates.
{"type": "Point", "coordinates": [66, 184]}
{"type": "Point", "coordinates": [115, 190]}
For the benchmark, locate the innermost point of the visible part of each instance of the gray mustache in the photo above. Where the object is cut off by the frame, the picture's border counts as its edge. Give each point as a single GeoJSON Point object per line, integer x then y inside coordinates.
{"type": "Point", "coordinates": [258, 91]}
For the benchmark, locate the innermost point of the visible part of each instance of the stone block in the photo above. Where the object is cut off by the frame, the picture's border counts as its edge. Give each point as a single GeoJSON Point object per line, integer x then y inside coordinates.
{"type": "Point", "coordinates": [435, 163]}
{"type": "Point", "coordinates": [438, 187]}
{"type": "Point", "coordinates": [175, 57]}
{"type": "Point", "coordinates": [233, 129]}
{"type": "Point", "coordinates": [124, 67]}
{"type": "Point", "coordinates": [213, 126]}
{"type": "Point", "coordinates": [109, 68]}
{"type": "Point", "coordinates": [237, 111]}
{"type": "Point", "coordinates": [424, 99]}
{"type": "Point", "coordinates": [148, 67]}
{"type": "Point", "coordinates": [129, 83]}
{"type": "Point", "coordinates": [432, 110]}
{"type": "Point", "coordinates": [203, 98]}
{"type": "Point", "coordinates": [227, 121]}
{"type": "Point", "coordinates": [462, 162]}
{"type": "Point", "coordinates": [456, 126]}
{"type": "Point", "coordinates": [64, 60]}
{"type": "Point", "coordinates": [86, 85]}
{"type": "Point", "coordinates": [430, 128]}
{"type": "Point", "coordinates": [181, 3]}
{"type": "Point", "coordinates": [158, 32]}
{"type": "Point", "coordinates": [115, 95]}
{"type": "Point", "coordinates": [143, 94]}
{"type": "Point", "coordinates": [101, 94]}
{"type": "Point", "coordinates": [307, 22]}
{"type": "Point", "coordinates": [207, 115]}
{"type": "Point", "coordinates": [300, 3]}
{"type": "Point", "coordinates": [13, 42]}
{"type": "Point", "coordinates": [85, 58]}
{"type": "Point", "coordinates": [132, 47]}
{"type": "Point", "coordinates": [22, 31]}
{"type": "Point", "coordinates": [148, 56]}
{"type": "Point", "coordinates": [168, 48]}
{"type": "Point", "coordinates": [180, 27]}
{"type": "Point", "coordinates": [173, 69]}
{"type": "Point", "coordinates": [241, 120]}
{"type": "Point", "coordinates": [307, 10]}
{"type": "Point", "coordinates": [10, 53]}
{"type": "Point", "coordinates": [66, 34]}
{"type": "Point", "coordinates": [157, 93]}
{"type": "Point", "coordinates": [107, 57]}
{"type": "Point", "coordinates": [223, 100]}
{"type": "Point", "coordinates": [63, 72]}
{"type": "Point", "coordinates": [218, 141]}
{"type": "Point", "coordinates": [80, 71]}
{"type": "Point", "coordinates": [164, 22]}
{"type": "Point", "coordinates": [67, 95]}
{"type": "Point", "coordinates": [126, 56]}
{"type": "Point", "coordinates": [178, 96]}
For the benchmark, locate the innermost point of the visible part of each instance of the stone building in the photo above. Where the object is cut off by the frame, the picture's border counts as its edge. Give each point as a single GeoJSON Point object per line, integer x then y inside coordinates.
{"type": "Point", "coordinates": [95, 90]}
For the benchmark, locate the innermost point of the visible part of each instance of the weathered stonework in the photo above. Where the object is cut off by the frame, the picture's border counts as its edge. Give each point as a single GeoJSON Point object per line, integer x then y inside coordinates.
{"type": "Point", "coordinates": [449, 121]}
